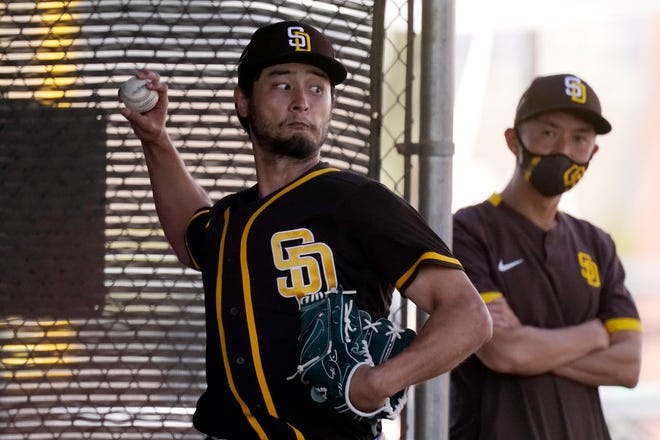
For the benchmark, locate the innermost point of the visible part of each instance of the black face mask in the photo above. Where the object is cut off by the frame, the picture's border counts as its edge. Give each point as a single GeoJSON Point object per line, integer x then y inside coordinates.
{"type": "Point", "coordinates": [550, 174]}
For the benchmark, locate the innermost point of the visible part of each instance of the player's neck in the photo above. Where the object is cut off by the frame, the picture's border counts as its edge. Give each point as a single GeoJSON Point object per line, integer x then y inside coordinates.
{"type": "Point", "coordinates": [540, 210]}
{"type": "Point", "coordinates": [275, 172]}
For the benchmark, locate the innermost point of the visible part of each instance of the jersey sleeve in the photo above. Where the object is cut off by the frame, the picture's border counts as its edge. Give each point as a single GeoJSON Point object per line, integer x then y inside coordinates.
{"type": "Point", "coordinates": [617, 307]}
{"type": "Point", "coordinates": [393, 235]}
{"type": "Point", "coordinates": [195, 236]}
{"type": "Point", "coordinates": [470, 246]}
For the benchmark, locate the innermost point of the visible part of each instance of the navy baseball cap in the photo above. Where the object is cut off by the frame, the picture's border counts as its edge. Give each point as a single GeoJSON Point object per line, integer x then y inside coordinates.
{"type": "Point", "coordinates": [289, 42]}
{"type": "Point", "coordinates": [563, 92]}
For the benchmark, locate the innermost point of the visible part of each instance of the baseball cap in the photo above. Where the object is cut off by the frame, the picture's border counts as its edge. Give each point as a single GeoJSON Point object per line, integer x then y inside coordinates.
{"type": "Point", "coordinates": [563, 92]}
{"type": "Point", "coordinates": [289, 42]}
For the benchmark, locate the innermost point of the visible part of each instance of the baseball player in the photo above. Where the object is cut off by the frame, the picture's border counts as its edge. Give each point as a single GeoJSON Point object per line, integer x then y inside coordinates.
{"type": "Point", "coordinates": [299, 269]}
{"type": "Point", "coordinates": [564, 322]}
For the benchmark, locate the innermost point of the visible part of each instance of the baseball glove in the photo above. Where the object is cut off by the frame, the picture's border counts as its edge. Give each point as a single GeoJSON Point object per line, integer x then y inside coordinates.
{"type": "Point", "coordinates": [333, 345]}
{"type": "Point", "coordinates": [336, 339]}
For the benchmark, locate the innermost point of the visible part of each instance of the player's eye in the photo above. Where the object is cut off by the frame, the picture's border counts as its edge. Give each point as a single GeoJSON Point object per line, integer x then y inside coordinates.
{"type": "Point", "coordinates": [580, 139]}
{"type": "Point", "coordinates": [316, 90]}
{"type": "Point", "coordinates": [549, 133]}
{"type": "Point", "coordinates": [282, 86]}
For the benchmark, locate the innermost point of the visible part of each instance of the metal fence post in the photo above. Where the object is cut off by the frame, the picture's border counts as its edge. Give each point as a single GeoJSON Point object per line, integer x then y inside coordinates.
{"type": "Point", "coordinates": [435, 176]}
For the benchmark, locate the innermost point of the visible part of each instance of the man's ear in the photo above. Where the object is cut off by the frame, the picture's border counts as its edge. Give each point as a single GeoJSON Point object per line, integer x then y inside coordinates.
{"type": "Point", "coordinates": [512, 140]}
{"type": "Point", "coordinates": [241, 103]}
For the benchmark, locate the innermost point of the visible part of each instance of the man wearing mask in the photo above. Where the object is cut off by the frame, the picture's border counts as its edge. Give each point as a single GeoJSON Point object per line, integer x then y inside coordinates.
{"type": "Point", "coordinates": [563, 321]}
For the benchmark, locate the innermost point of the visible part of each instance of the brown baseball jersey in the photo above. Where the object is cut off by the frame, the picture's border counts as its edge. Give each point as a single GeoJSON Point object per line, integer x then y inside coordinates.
{"type": "Point", "coordinates": [259, 257]}
{"type": "Point", "coordinates": [552, 279]}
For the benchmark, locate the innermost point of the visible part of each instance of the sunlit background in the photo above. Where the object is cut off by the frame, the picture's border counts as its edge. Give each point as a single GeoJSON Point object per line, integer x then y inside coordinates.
{"type": "Point", "coordinates": [615, 47]}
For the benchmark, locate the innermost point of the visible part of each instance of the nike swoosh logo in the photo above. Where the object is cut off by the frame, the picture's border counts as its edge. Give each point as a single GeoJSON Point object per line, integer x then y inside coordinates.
{"type": "Point", "coordinates": [503, 267]}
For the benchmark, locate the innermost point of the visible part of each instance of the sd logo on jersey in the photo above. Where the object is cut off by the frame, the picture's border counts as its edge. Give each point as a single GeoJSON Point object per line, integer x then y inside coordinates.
{"type": "Point", "coordinates": [589, 269]}
{"type": "Point", "coordinates": [308, 264]}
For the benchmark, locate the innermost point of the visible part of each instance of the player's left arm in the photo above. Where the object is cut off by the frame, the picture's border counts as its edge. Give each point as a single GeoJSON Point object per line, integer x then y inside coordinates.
{"type": "Point", "coordinates": [458, 324]}
{"type": "Point", "coordinates": [617, 365]}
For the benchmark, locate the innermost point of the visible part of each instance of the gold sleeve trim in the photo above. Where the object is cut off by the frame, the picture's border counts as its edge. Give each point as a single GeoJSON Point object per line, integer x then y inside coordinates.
{"type": "Point", "coordinates": [618, 324]}
{"type": "Point", "coordinates": [489, 297]}
{"type": "Point", "coordinates": [426, 256]}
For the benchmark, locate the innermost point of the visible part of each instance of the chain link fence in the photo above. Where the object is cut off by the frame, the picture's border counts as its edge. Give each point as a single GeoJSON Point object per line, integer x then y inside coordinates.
{"type": "Point", "coordinates": [101, 329]}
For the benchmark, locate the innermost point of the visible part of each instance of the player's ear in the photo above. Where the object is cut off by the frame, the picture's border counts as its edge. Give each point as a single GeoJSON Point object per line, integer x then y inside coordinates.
{"type": "Point", "coordinates": [512, 140]}
{"type": "Point", "coordinates": [241, 103]}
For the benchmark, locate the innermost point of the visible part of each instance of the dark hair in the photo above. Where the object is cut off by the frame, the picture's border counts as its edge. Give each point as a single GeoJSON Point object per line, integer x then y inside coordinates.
{"type": "Point", "coordinates": [246, 84]}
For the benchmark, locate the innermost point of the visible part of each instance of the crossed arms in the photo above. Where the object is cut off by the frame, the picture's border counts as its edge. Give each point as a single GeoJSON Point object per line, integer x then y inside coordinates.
{"type": "Point", "coordinates": [586, 353]}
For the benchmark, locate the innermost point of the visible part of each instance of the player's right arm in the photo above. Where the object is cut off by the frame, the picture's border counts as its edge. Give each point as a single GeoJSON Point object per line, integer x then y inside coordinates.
{"type": "Point", "coordinates": [527, 350]}
{"type": "Point", "coordinates": [176, 194]}
{"type": "Point", "coordinates": [457, 325]}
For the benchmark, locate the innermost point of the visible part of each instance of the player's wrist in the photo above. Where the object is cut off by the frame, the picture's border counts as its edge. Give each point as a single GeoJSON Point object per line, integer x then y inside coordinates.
{"type": "Point", "coordinates": [364, 392]}
{"type": "Point", "coordinates": [158, 142]}
{"type": "Point", "coordinates": [363, 396]}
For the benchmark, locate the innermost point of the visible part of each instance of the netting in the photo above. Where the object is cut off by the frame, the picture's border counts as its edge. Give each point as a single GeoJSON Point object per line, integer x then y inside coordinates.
{"type": "Point", "coordinates": [101, 329]}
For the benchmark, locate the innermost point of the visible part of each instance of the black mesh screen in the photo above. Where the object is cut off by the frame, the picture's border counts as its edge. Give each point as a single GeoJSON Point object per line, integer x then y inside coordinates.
{"type": "Point", "coordinates": [101, 329]}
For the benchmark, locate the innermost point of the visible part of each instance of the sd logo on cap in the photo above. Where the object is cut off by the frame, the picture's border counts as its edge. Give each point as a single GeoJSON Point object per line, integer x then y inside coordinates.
{"type": "Point", "coordinates": [288, 42]}
{"type": "Point", "coordinates": [563, 92]}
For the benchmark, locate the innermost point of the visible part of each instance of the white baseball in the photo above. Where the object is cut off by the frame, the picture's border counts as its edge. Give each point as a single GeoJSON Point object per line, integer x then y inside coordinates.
{"type": "Point", "coordinates": [136, 96]}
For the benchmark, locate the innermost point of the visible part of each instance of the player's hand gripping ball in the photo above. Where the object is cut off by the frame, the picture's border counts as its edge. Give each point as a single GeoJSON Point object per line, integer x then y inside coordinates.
{"type": "Point", "coordinates": [135, 95]}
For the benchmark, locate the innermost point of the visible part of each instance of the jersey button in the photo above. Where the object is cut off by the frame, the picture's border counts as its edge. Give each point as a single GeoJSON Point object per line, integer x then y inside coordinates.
{"type": "Point", "coordinates": [240, 360]}
{"type": "Point", "coordinates": [233, 311]}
